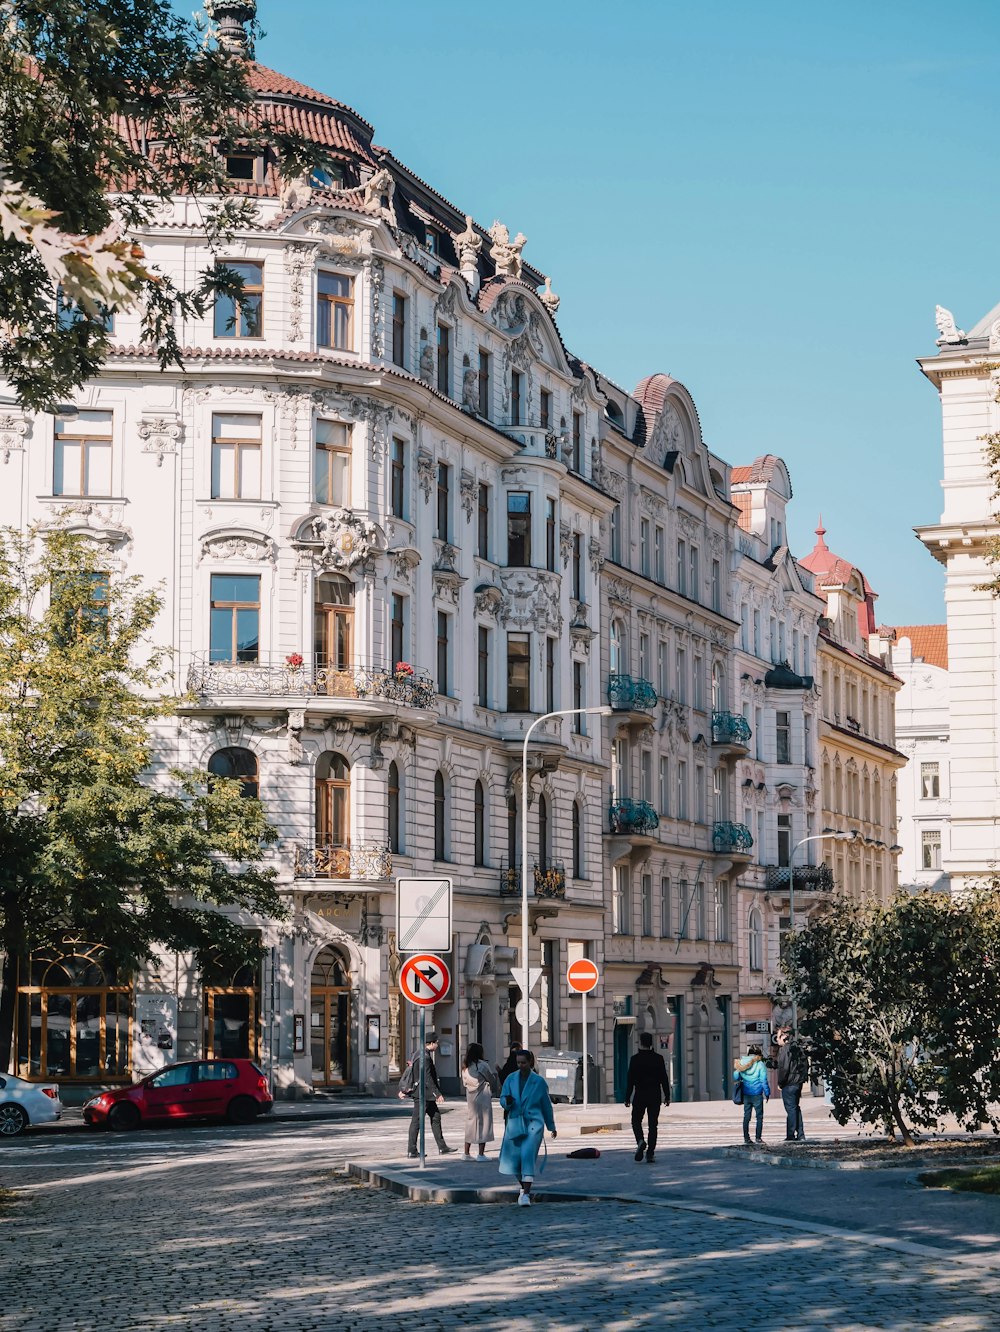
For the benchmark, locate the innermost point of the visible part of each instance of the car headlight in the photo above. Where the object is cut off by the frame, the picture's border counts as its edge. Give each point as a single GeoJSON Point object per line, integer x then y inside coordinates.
{"type": "Point", "coordinates": [96, 1102]}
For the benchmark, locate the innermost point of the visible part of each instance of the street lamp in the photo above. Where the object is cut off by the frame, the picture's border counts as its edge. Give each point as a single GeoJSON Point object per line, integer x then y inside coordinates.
{"type": "Point", "coordinates": [603, 711]}
{"type": "Point", "coordinates": [827, 835]}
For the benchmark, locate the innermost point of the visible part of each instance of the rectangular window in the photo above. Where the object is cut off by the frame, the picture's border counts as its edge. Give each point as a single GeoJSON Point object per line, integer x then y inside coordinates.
{"type": "Point", "coordinates": [682, 789]}
{"type": "Point", "coordinates": [397, 629]}
{"type": "Point", "coordinates": [518, 672]}
{"type": "Point", "coordinates": [684, 908]}
{"type": "Point", "coordinates": [663, 668]}
{"type": "Point", "coordinates": [483, 522]}
{"type": "Point", "coordinates": [398, 329]}
{"type": "Point", "coordinates": [334, 311]}
{"type": "Point", "coordinates": [235, 617]}
{"type": "Point", "coordinates": [547, 991]}
{"type": "Point", "coordinates": [784, 839]}
{"type": "Point", "coordinates": [694, 587]}
{"type": "Point", "coordinates": [659, 567]}
{"type": "Point", "coordinates": [577, 567]}
{"type": "Point", "coordinates": [616, 534]}
{"type": "Point", "coordinates": [645, 665]}
{"type": "Point", "coordinates": [645, 552]}
{"type": "Point", "coordinates": [783, 735]}
{"type": "Point", "coordinates": [681, 673]}
{"type": "Point", "coordinates": [332, 464]}
{"type": "Point", "coordinates": [397, 483]}
{"type": "Point", "coordinates": [664, 786]}
{"type": "Point", "coordinates": [241, 166]}
{"type": "Point", "coordinates": [81, 460]}
{"type": "Point", "coordinates": [722, 910]}
{"type": "Point", "coordinates": [756, 633]}
{"type": "Point", "coordinates": [550, 535]}
{"type": "Point", "coordinates": [758, 732]}
{"type": "Point", "coordinates": [719, 792]}
{"type": "Point", "coordinates": [701, 923]}
{"type": "Point", "coordinates": [621, 905]}
{"type": "Point", "coordinates": [483, 668]}
{"type": "Point", "coordinates": [443, 651]}
{"type": "Point", "coordinates": [516, 387]}
{"type": "Point", "coordinates": [241, 316]}
{"type": "Point", "coordinates": [550, 674]}
{"type": "Point", "coordinates": [578, 441]}
{"type": "Point", "coordinates": [443, 532]}
{"type": "Point", "coordinates": [745, 627]}
{"type": "Point", "coordinates": [578, 697]}
{"type": "Point", "coordinates": [699, 793]}
{"type": "Point", "coordinates": [519, 529]}
{"type": "Point", "coordinates": [444, 359]}
{"type": "Point", "coordinates": [807, 741]}
{"type": "Point", "coordinates": [646, 775]}
{"type": "Point", "coordinates": [699, 684]}
{"type": "Point", "coordinates": [682, 567]}
{"type": "Point", "coordinates": [483, 384]}
{"type": "Point", "coordinates": [930, 849]}
{"type": "Point", "coordinates": [666, 915]}
{"type": "Point", "coordinates": [545, 410]}
{"type": "Point", "coordinates": [930, 781]}
{"type": "Point", "coordinates": [646, 902]}
{"type": "Point", "coordinates": [716, 586]}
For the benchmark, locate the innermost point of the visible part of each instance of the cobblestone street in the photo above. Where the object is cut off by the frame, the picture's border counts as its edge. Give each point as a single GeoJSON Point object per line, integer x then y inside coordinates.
{"type": "Point", "coordinates": [259, 1229]}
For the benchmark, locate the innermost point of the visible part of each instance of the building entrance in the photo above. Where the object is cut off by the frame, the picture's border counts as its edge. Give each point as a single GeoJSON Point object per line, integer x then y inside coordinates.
{"type": "Point", "coordinates": [330, 1020]}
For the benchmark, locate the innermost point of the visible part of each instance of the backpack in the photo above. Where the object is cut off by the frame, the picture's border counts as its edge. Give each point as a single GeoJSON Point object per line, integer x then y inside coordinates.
{"type": "Point", "coordinates": [408, 1082]}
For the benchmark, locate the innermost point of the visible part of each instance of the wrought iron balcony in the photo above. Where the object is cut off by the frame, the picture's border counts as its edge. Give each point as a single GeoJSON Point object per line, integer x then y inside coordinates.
{"type": "Point", "coordinates": [632, 817]}
{"type": "Point", "coordinates": [732, 839]}
{"type": "Point", "coordinates": [548, 882]}
{"type": "Point", "coordinates": [730, 729]}
{"type": "Point", "coordinates": [808, 878]}
{"type": "Point", "coordinates": [296, 676]}
{"type": "Point", "coordinates": [324, 859]}
{"type": "Point", "coordinates": [628, 695]}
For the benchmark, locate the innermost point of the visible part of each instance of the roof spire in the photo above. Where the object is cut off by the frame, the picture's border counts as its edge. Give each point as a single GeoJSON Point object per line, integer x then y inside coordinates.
{"type": "Point", "coordinates": [231, 18]}
{"type": "Point", "coordinates": [820, 534]}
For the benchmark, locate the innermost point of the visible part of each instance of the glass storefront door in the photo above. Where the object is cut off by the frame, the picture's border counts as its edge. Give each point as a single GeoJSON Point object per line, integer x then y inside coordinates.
{"type": "Point", "coordinates": [230, 1024]}
{"type": "Point", "coordinates": [330, 1019]}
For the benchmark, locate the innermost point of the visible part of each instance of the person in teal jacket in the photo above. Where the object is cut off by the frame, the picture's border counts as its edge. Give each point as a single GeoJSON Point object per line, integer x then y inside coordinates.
{"type": "Point", "coordinates": [751, 1071]}
{"type": "Point", "coordinates": [525, 1096]}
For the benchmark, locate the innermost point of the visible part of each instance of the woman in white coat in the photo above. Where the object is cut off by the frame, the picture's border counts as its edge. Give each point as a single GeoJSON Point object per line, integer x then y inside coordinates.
{"type": "Point", "coordinates": [480, 1083]}
{"type": "Point", "coordinates": [525, 1095]}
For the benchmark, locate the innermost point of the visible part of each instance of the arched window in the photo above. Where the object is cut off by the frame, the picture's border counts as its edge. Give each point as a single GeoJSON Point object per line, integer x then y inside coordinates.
{"type": "Point", "coordinates": [440, 818]}
{"type": "Point", "coordinates": [479, 824]}
{"type": "Point", "coordinates": [755, 935]}
{"type": "Point", "coordinates": [333, 627]}
{"type": "Point", "coordinates": [616, 648]}
{"type": "Point", "coordinates": [577, 839]}
{"type": "Point", "coordinates": [543, 833]}
{"type": "Point", "coordinates": [395, 842]}
{"type": "Point", "coordinates": [333, 802]}
{"type": "Point", "coordinates": [238, 765]}
{"type": "Point", "coordinates": [866, 793]}
{"type": "Point", "coordinates": [330, 1024]}
{"type": "Point", "coordinates": [718, 688]}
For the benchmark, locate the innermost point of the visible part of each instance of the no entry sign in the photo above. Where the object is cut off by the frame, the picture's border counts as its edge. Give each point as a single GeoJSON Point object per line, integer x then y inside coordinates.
{"type": "Point", "coordinates": [582, 975]}
{"type": "Point", "coordinates": [424, 979]}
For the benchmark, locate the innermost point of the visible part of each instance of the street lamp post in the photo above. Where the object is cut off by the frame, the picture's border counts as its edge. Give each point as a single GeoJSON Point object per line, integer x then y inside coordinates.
{"type": "Point", "coordinates": [827, 835]}
{"type": "Point", "coordinates": [603, 711]}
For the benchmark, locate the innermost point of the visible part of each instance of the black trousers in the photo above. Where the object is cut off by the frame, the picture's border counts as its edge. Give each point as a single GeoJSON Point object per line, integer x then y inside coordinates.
{"type": "Point", "coordinates": [434, 1115]}
{"type": "Point", "coordinates": [651, 1109]}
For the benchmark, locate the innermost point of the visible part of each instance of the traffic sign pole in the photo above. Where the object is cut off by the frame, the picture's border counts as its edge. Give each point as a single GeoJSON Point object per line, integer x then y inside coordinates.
{"type": "Point", "coordinates": [581, 976]}
{"type": "Point", "coordinates": [423, 1086]}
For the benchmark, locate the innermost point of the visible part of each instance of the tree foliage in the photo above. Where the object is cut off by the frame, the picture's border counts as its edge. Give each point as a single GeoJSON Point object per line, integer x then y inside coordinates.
{"type": "Point", "coordinates": [108, 109]}
{"type": "Point", "coordinates": [90, 839]}
{"type": "Point", "coordinates": [901, 1008]}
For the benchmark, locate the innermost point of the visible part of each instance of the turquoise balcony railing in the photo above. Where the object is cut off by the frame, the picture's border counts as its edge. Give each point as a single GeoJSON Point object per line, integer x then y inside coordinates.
{"type": "Point", "coordinates": [628, 695]}
{"type": "Point", "coordinates": [730, 729]}
{"type": "Point", "coordinates": [732, 839]}
{"type": "Point", "coordinates": [632, 816]}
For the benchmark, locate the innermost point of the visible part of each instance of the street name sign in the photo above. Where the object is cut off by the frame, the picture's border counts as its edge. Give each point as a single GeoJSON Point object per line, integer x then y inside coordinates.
{"type": "Point", "coordinates": [423, 915]}
{"type": "Point", "coordinates": [424, 979]}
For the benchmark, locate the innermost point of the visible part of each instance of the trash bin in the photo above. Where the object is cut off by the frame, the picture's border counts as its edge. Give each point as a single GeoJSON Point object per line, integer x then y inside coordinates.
{"type": "Point", "coordinates": [593, 1081]}
{"type": "Point", "coordinates": [559, 1069]}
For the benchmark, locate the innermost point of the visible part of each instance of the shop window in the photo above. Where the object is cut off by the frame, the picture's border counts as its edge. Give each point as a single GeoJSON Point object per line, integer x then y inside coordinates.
{"type": "Point", "coordinates": [231, 1006]}
{"type": "Point", "coordinates": [73, 1012]}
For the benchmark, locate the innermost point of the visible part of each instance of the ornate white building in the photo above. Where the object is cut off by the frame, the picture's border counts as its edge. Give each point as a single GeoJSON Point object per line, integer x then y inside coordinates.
{"type": "Point", "coordinates": [964, 373]}
{"type": "Point", "coordinates": [920, 659]}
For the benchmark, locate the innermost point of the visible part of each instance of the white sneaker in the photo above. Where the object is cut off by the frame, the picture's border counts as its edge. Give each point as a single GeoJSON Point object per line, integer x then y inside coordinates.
{"type": "Point", "coordinates": [524, 1200]}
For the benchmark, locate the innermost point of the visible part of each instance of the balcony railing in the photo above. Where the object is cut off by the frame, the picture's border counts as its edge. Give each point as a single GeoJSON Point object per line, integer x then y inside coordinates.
{"type": "Point", "coordinates": [732, 838]}
{"type": "Point", "coordinates": [632, 816]}
{"type": "Point", "coordinates": [548, 882]}
{"type": "Point", "coordinates": [808, 878]}
{"type": "Point", "coordinates": [628, 695]}
{"type": "Point", "coordinates": [274, 678]}
{"type": "Point", "coordinates": [339, 860]}
{"type": "Point", "coordinates": [730, 729]}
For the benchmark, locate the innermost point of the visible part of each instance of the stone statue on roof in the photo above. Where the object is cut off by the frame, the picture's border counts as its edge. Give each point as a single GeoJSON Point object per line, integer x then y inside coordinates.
{"type": "Point", "coordinates": [468, 244]}
{"type": "Point", "coordinates": [379, 190]}
{"type": "Point", "coordinates": [994, 345]}
{"type": "Point", "coordinates": [506, 253]}
{"type": "Point", "coordinates": [945, 320]}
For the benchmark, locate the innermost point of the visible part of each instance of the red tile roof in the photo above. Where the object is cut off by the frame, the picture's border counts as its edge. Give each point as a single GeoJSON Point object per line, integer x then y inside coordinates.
{"type": "Point", "coordinates": [760, 471]}
{"type": "Point", "coordinates": [651, 393]}
{"type": "Point", "coordinates": [743, 504]}
{"type": "Point", "coordinates": [739, 476]}
{"type": "Point", "coordinates": [928, 642]}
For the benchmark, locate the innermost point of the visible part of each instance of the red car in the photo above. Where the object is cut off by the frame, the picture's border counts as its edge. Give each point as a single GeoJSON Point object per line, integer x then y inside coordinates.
{"type": "Point", "coordinates": [235, 1089]}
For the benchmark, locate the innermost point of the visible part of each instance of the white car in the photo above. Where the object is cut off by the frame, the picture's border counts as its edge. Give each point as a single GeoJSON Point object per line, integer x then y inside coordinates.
{"type": "Point", "coordinates": [23, 1103]}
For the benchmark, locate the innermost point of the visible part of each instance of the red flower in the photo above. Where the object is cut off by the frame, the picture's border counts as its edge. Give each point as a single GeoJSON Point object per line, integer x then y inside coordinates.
{"type": "Point", "coordinates": [294, 659]}
{"type": "Point", "coordinates": [403, 668]}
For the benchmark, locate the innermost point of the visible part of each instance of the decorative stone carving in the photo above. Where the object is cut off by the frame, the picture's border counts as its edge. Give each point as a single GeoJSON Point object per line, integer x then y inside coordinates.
{"type": "Point", "coordinates": [565, 544]}
{"type": "Point", "coordinates": [345, 538]}
{"type": "Point", "coordinates": [595, 555]}
{"type": "Point", "coordinates": [445, 577]}
{"type": "Point", "coordinates": [378, 195]}
{"type": "Point", "coordinates": [293, 745]}
{"type": "Point", "coordinates": [339, 236]}
{"type": "Point", "coordinates": [159, 435]}
{"type": "Point", "coordinates": [425, 473]}
{"type": "Point", "coordinates": [548, 298]}
{"type": "Point", "coordinates": [468, 245]}
{"type": "Point", "coordinates": [103, 524]}
{"type": "Point", "coordinates": [994, 345]}
{"type": "Point", "coordinates": [650, 503]}
{"type": "Point", "coordinates": [668, 433]}
{"type": "Point", "coordinates": [376, 275]}
{"type": "Point", "coordinates": [426, 370]}
{"type": "Point", "coordinates": [12, 432]}
{"type": "Point", "coordinates": [613, 483]}
{"type": "Point", "coordinates": [949, 333]}
{"type": "Point", "coordinates": [531, 599]}
{"type": "Point", "coordinates": [470, 391]}
{"type": "Point", "coordinates": [689, 525]}
{"type": "Point", "coordinates": [598, 472]}
{"type": "Point", "coordinates": [296, 193]}
{"type": "Point", "coordinates": [619, 591]}
{"type": "Point", "coordinates": [403, 560]}
{"type": "Point", "coordinates": [488, 599]}
{"type": "Point", "coordinates": [467, 490]}
{"type": "Point", "coordinates": [250, 547]}
{"type": "Point", "coordinates": [506, 253]}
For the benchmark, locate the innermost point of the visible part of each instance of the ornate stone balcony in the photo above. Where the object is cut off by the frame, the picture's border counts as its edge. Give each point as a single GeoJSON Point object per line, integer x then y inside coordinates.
{"type": "Point", "coordinates": [632, 817]}
{"type": "Point", "coordinates": [366, 862]}
{"type": "Point", "coordinates": [731, 734]}
{"type": "Point", "coordinates": [302, 682]}
{"type": "Point", "coordinates": [626, 694]}
{"type": "Point", "coordinates": [549, 882]}
{"type": "Point", "coordinates": [732, 839]}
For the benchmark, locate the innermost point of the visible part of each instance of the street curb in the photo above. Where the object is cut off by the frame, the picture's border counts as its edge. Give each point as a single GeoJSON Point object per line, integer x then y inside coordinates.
{"type": "Point", "coordinates": [804, 1163]}
{"type": "Point", "coordinates": [401, 1183]}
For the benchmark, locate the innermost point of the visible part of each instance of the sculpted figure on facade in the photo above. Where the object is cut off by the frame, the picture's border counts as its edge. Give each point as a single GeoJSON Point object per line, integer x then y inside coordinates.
{"type": "Point", "coordinates": [378, 195]}
{"type": "Point", "coordinates": [346, 538]}
{"type": "Point", "coordinates": [468, 244]}
{"type": "Point", "coordinates": [427, 363]}
{"type": "Point", "coordinates": [548, 297]}
{"type": "Point", "coordinates": [946, 327]}
{"type": "Point", "coordinates": [470, 391]}
{"type": "Point", "coordinates": [506, 253]}
{"type": "Point", "coordinates": [994, 345]}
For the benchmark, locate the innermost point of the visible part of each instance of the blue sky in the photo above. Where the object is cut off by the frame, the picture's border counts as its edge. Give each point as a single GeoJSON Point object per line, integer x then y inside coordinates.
{"type": "Point", "coordinates": [765, 200]}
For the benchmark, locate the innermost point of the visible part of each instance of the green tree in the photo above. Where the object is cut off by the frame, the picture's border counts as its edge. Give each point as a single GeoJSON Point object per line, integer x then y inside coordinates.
{"type": "Point", "coordinates": [90, 839]}
{"type": "Point", "coordinates": [901, 1008]}
{"type": "Point", "coordinates": [108, 109]}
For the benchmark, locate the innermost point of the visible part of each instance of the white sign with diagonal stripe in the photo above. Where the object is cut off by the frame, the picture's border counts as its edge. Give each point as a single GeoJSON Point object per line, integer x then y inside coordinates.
{"type": "Point", "coordinates": [423, 915]}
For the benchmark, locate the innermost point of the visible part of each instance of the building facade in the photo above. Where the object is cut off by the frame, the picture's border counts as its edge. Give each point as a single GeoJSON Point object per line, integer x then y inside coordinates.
{"type": "Point", "coordinates": [920, 659]}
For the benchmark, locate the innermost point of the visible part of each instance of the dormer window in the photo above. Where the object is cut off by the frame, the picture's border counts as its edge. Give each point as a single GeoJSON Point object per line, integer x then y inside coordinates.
{"type": "Point", "coordinates": [431, 241]}
{"type": "Point", "coordinates": [242, 166]}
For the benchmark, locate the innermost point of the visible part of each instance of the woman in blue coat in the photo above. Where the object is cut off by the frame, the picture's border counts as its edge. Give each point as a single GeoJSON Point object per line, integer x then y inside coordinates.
{"type": "Point", "coordinates": [525, 1096]}
{"type": "Point", "coordinates": [751, 1071]}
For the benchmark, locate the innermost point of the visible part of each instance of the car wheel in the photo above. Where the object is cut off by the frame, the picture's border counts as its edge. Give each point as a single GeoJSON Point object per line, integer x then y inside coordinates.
{"type": "Point", "coordinates": [242, 1110]}
{"type": "Point", "coordinates": [123, 1117]}
{"type": "Point", "coordinates": [13, 1121]}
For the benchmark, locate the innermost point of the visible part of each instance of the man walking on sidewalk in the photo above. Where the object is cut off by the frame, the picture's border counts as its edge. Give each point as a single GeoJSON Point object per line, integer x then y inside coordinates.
{"type": "Point", "coordinates": [647, 1078]}
{"type": "Point", "coordinates": [409, 1085]}
{"type": "Point", "coordinates": [793, 1070]}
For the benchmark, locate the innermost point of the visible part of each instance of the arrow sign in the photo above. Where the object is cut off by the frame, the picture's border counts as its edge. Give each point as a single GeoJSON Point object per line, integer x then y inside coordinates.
{"type": "Point", "coordinates": [424, 979]}
{"type": "Point", "coordinates": [534, 974]}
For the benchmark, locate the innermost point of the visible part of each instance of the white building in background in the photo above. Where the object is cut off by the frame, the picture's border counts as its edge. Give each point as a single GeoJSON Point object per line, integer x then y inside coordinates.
{"type": "Point", "coordinates": [966, 378]}
{"type": "Point", "coordinates": [920, 659]}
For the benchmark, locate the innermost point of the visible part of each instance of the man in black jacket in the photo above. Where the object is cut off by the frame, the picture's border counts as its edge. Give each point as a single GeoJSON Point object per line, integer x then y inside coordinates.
{"type": "Point", "coordinates": [793, 1070]}
{"type": "Point", "coordinates": [647, 1077]}
{"type": "Point", "coordinates": [409, 1085]}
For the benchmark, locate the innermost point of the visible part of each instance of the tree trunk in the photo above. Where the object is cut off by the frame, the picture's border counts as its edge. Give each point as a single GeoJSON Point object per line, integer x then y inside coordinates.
{"type": "Point", "coordinates": [8, 983]}
{"type": "Point", "coordinates": [905, 1132]}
